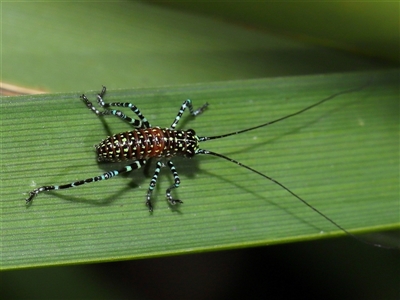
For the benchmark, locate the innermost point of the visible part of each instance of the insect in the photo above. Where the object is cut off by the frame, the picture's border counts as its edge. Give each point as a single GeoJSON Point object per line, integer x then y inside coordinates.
{"type": "Point", "coordinates": [145, 142]}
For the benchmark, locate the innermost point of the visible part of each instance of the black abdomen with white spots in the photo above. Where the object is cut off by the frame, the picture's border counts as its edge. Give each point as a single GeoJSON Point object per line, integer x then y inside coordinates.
{"type": "Point", "coordinates": [146, 143]}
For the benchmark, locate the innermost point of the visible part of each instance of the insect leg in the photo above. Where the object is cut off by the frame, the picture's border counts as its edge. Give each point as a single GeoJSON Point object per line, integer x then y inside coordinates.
{"type": "Point", "coordinates": [152, 185]}
{"type": "Point", "coordinates": [177, 181]}
{"type": "Point", "coordinates": [187, 103]}
{"type": "Point", "coordinates": [142, 123]}
{"type": "Point", "coordinates": [134, 166]}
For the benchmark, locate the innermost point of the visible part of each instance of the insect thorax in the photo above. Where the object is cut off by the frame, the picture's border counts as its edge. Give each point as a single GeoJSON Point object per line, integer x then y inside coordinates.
{"type": "Point", "coordinates": [146, 143]}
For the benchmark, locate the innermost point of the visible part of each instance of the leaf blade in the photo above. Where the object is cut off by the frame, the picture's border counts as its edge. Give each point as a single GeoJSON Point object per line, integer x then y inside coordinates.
{"type": "Point", "coordinates": [332, 157]}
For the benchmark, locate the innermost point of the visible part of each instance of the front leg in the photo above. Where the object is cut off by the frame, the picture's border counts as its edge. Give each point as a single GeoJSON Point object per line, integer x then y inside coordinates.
{"type": "Point", "coordinates": [187, 103]}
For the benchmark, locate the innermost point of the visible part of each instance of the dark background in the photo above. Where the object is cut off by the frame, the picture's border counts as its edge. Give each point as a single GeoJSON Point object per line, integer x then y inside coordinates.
{"type": "Point", "coordinates": [341, 268]}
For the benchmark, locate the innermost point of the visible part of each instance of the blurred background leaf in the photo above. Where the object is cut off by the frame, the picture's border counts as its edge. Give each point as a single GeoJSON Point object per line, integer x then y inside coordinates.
{"type": "Point", "coordinates": [365, 27]}
{"type": "Point", "coordinates": [58, 47]}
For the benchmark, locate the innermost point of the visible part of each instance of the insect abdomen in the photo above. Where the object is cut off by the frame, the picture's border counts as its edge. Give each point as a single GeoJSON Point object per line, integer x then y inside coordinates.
{"type": "Point", "coordinates": [147, 143]}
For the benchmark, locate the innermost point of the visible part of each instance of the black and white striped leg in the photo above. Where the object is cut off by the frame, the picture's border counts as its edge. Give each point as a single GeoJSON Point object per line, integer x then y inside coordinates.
{"type": "Point", "coordinates": [187, 103]}
{"type": "Point", "coordinates": [142, 123]}
{"type": "Point", "coordinates": [152, 185]}
{"type": "Point", "coordinates": [134, 166]}
{"type": "Point", "coordinates": [176, 184]}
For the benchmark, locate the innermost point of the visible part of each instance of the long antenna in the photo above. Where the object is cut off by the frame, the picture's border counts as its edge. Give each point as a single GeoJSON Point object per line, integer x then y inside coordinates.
{"type": "Point", "coordinates": [201, 151]}
{"type": "Point", "coordinates": [207, 138]}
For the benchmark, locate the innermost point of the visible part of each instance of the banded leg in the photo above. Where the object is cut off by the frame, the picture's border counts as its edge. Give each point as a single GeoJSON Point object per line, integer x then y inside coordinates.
{"type": "Point", "coordinates": [187, 103]}
{"type": "Point", "coordinates": [176, 184]}
{"type": "Point", "coordinates": [142, 123]}
{"type": "Point", "coordinates": [153, 183]}
{"type": "Point", "coordinates": [134, 166]}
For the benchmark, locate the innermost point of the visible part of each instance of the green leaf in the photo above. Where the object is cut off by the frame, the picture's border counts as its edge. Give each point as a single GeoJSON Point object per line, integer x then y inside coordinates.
{"type": "Point", "coordinates": [341, 157]}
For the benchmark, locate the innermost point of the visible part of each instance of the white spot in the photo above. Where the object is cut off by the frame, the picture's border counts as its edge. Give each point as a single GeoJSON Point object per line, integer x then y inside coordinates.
{"type": "Point", "coordinates": [33, 183]}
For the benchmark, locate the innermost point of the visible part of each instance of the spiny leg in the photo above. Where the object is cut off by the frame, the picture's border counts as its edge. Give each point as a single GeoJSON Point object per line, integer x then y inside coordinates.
{"type": "Point", "coordinates": [187, 103]}
{"type": "Point", "coordinates": [142, 123]}
{"type": "Point", "coordinates": [134, 166]}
